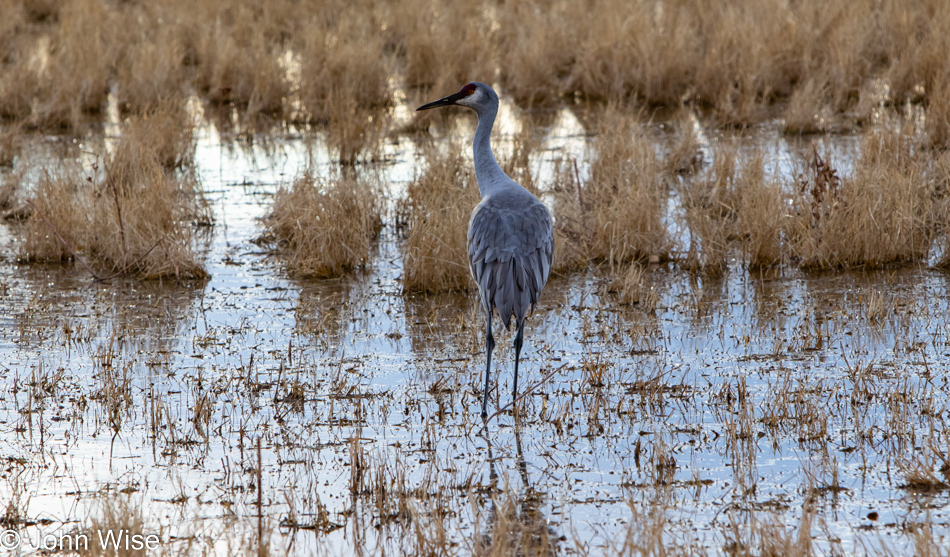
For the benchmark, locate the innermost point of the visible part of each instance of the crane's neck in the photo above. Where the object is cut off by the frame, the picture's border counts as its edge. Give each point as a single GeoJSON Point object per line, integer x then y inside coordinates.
{"type": "Point", "coordinates": [490, 176]}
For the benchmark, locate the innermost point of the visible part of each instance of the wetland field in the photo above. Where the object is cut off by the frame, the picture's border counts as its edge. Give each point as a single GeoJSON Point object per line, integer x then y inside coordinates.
{"type": "Point", "coordinates": [236, 316]}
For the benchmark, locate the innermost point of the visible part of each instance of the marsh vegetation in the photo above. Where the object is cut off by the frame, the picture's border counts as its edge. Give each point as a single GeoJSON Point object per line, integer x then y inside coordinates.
{"type": "Point", "coordinates": [236, 311]}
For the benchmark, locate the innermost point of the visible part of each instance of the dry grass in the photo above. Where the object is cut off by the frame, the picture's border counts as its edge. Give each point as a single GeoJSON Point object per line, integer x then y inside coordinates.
{"type": "Point", "coordinates": [941, 210]}
{"type": "Point", "coordinates": [344, 82]}
{"type": "Point", "coordinates": [440, 44]}
{"type": "Point", "coordinates": [340, 67]}
{"type": "Point", "coordinates": [325, 227]}
{"type": "Point", "coordinates": [10, 138]}
{"type": "Point", "coordinates": [762, 212]}
{"type": "Point", "coordinates": [237, 64]}
{"type": "Point", "coordinates": [8, 191]}
{"type": "Point", "coordinates": [132, 216]}
{"type": "Point", "coordinates": [152, 68]}
{"type": "Point", "coordinates": [708, 241]}
{"type": "Point", "coordinates": [437, 211]}
{"type": "Point", "coordinates": [118, 517]}
{"type": "Point", "coordinates": [878, 216]}
{"type": "Point", "coordinates": [82, 53]}
{"type": "Point", "coordinates": [808, 111]}
{"type": "Point", "coordinates": [517, 527]}
{"type": "Point", "coordinates": [920, 470]}
{"type": "Point", "coordinates": [938, 111]}
{"type": "Point", "coordinates": [738, 59]}
{"type": "Point", "coordinates": [618, 47]}
{"type": "Point", "coordinates": [617, 215]}
{"type": "Point", "coordinates": [686, 155]}
{"type": "Point", "coordinates": [710, 206]}
{"type": "Point", "coordinates": [768, 535]}
{"type": "Point", "coordinates": [630, 285]}
{"type": "Point", "coordinates": [534, 59]}
{"type": "Point", "coordinates": [164, 130]}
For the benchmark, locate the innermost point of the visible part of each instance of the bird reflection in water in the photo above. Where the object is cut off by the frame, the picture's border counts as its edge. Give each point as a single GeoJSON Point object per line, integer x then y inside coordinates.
{"type": "Point", "coordinates": [516, 522]}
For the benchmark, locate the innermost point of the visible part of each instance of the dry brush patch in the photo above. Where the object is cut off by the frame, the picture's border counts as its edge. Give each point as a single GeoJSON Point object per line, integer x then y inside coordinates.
{"type": "Point", "coordinates": [152, 67]}
{"type": "Point", "coordinates": [739, 59]}
{"type": "Point", "coordinates": [74, 81]}
{"type": "Point", "coordinates": [938, 111]}
{"type": "Point", "coordinates": [237, 64]}
{"type": "Point", "coordinates": [711, 203]}
{"type": "Point", "coordinates": [761, 211]}
{"type": "Point", "coordinates": [535, 51]}
{"type": "Point", "coordinates": [436, 212]}
{"type": "Point", "coordinates": [132, 216]}
{"type": "Point", "coordinates": [880, 215]}
{"type": "Point", "coordinates": [325, 227]}
{"type": "Point", "coordinates": [618, 213]}
{"type": "Point", "coordinates": [10, 140]}
{"type": "Point", "coordinates": [164, 130]}
{"type": "Point", "coordinates": [440, 44]}
{"type": "Point", "coordinates": [344, 82]}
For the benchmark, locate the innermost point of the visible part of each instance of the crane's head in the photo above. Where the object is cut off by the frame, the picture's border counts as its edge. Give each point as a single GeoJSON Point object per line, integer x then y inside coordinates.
{"type": "Point", "coordinates": [475, 95]}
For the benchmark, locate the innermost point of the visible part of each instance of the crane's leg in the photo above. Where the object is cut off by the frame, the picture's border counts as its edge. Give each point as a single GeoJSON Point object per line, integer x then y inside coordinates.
{"type": "Point", "coordinates": [518, 341]}
{"type": "Point", "coordinates": [489, 346]}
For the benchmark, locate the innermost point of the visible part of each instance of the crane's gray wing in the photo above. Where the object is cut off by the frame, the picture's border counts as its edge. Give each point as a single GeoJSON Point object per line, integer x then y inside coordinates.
{"type": "Point", "coordinates": [510, 251]}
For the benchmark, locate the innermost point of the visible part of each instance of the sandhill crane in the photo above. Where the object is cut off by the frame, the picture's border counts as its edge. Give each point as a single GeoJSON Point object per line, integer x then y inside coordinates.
{"type": "Point", "coordinates": [510, 237]}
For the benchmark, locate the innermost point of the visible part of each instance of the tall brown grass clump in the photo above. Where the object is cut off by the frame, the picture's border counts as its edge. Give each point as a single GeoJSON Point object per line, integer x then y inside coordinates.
{"type": "Point", "coordinates": [237, 63]}
{"type": "Point", "coordinates": [8, 192]}
{"type": "Point", "coordinates": [878, 216]}
{"type": "Point", "coordinates": [325, 227]}
{"type": "Point", "coordinates": [535, 53]}
{"type": "Point", "coordinates": [441, 44]}
{"type": "Point", "coordinates": [119, 518]}
{"type": "Point", "coordinates": [633, 49]}
{"type": "Point", "coordinates": [740, 60]}
{"type": "Point", "coordinates": [686, 155]}
{"type": "Point", "coordinates": [164, 130]}
{"type": "Point", "coordinates": [14, 16]}
{"type": "Point", "coordinates": [516, 526]}
{"type": "Point", "coordinates": [913, 38]}
{"type": "Point", "coordinates": [715, 205]}
{"type": "Point", "coordinates": [344, 82]}
{"type": "Point", "coordinates": [709, 240]}
{"type": "Point", "coordinates": [618, 213]}
{"type": "Point", "coordinates": [941, 210]}
{"type": "Point", "coordinates": [130, 217]}
{"type": "Point", "coordinates": [18, 85]}
{"type": "Point", "coordinates": [938, 112]}
{"type": "Point", "coordinates": [762, 212]}
{"type": "Point", "coordinates": [436, 212]}
{"type": "Point", "coordinates": [808, 111]}
{"type": "Point", "coordinates": [82, 54]}
{"type": "Point", "coordinates": [152, 68]}
{"type": "Point", "coordinates": [10, 139]}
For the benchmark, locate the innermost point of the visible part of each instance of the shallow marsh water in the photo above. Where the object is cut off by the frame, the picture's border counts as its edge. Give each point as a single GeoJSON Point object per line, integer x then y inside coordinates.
{"type": "Point", "coordinates": [737, 408]}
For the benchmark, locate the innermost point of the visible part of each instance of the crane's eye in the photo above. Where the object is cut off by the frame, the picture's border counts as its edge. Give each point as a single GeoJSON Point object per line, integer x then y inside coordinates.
{"type": "Point", "coordinates": [468, 89]}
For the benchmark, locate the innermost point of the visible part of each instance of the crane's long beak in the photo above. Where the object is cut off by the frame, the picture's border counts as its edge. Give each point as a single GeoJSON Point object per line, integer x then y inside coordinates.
{"type": "Point", "coordinates": [447, 101]}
